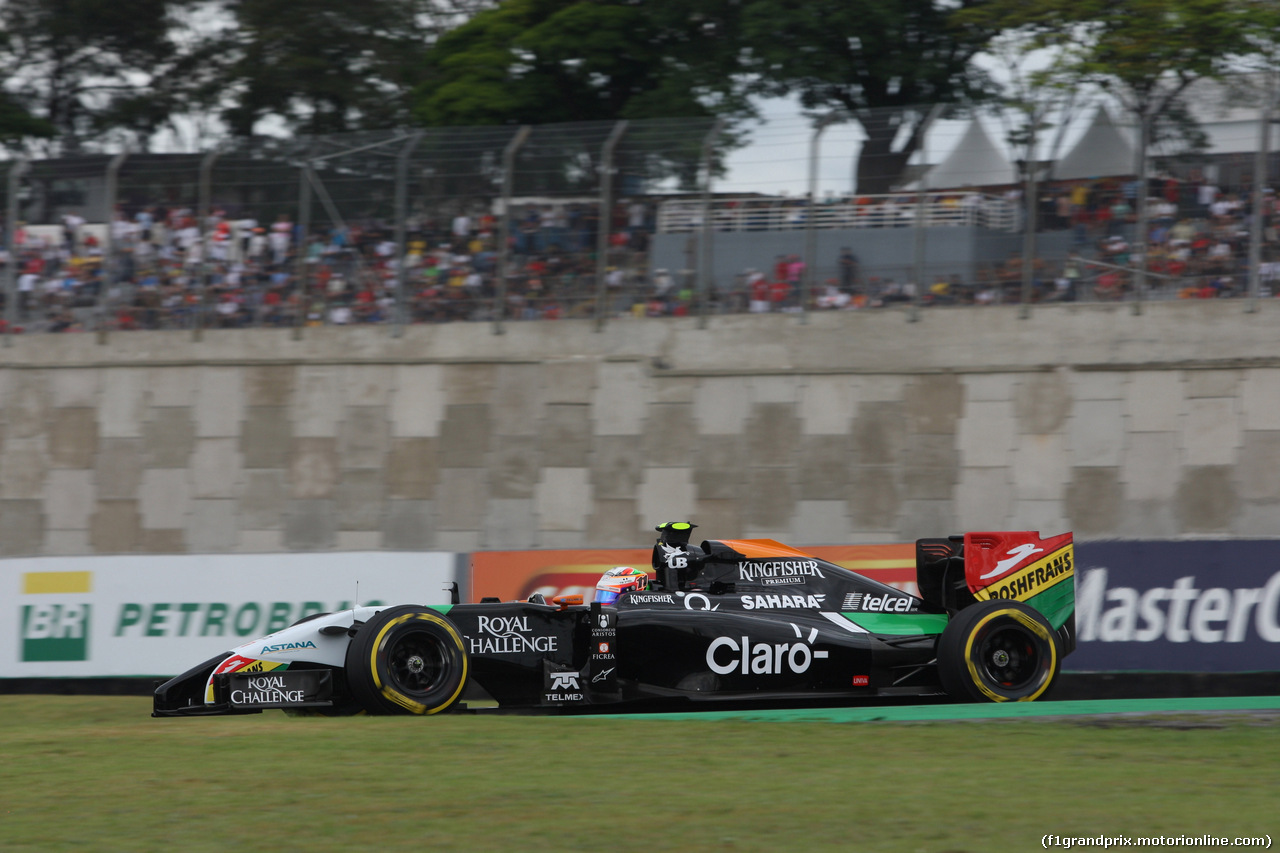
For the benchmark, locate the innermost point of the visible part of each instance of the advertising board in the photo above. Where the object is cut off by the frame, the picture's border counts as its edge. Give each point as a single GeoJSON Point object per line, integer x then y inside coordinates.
{"type": "Point", "coordinates": [160, 615]}
{"type": "Point", "coordinates": [1160, 606]}
{"type": "Point", "coordinates": [1155, 606]}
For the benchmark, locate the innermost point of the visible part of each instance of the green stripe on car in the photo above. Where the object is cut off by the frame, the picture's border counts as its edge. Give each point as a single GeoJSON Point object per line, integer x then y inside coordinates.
{"type": "Point", "coordinates": [904, 624]}
{"type": "Point", "coordinates": [1057, 602]}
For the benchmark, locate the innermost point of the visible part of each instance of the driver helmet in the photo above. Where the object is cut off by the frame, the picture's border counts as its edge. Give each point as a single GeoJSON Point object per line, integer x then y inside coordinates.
{"type": "Point", "coordinates": [619, 580]}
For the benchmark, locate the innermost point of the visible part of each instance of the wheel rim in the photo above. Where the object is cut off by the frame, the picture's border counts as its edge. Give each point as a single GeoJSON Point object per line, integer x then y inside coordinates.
{"type": "Point", "coordinates": [1010, 658]}
{"type": "Point", "coordinates": [416, 662]}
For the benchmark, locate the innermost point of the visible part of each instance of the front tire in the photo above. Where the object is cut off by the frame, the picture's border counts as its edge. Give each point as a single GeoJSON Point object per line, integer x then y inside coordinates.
{"type": "Point", "coordinates": [998, 651]}
{"type": "Point", "coordinates": [407, 660]}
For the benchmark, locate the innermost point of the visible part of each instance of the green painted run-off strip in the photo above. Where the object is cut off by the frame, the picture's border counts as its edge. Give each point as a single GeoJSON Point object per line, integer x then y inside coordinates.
{"type": "Point", "coordinates": [993, 710]}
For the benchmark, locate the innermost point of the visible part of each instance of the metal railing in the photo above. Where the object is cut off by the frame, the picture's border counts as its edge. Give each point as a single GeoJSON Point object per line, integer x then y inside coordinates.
{"type": "Point", "coordinates": [897, 210]}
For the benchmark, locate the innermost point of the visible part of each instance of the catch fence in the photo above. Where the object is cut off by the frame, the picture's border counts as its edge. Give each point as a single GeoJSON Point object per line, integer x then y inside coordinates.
{"type": "Point", "coordinates": [608, 219]}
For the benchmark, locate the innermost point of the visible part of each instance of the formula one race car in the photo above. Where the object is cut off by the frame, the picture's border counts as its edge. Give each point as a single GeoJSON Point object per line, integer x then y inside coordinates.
{"type": "Point", "coordinates": [727, 621]}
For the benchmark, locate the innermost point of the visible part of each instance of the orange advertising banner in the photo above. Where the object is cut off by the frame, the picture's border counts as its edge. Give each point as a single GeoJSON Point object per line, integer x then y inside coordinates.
{"type": "Point", "coordinates": [516, 575]}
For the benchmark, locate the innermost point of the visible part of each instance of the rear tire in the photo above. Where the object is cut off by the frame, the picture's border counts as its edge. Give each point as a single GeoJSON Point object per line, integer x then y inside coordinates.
{"type": "Point", "coordinates": [407, 660]}
{"type": "Point", "coordinates": [998, 651]}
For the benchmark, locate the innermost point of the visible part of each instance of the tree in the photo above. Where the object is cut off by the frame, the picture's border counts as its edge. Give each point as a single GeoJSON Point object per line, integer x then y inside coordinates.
{"type": "Point", "coordinates": [85, 68]}
{"type": "Point", "coordinates": [1036, 98]}
{"type": "Point", "coordinates": [541, 61]}
{"type": "Point", "coordinates": [325, 68]}
{"type": "Point", "coordinates": [328, 66]}
{"type": "Point", "coordinates": [17, 124]}
{"type": "Point", "coordinates": [882, 64]}
{"type": "Point", "coordinates": [1145, 53]}
{"type": "Point", "coordinates": [567, 62]}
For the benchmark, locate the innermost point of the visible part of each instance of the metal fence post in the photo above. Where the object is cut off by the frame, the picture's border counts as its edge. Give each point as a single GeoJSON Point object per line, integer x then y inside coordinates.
{"type": "Point", "coordinates": [810, 227]}
{"type": "Point", "coordinates": [605, 219]}
{"type": "Point", "coordinates": [918, 244]}
{"type": "Point", "coordinates": [922, 191]}
{"type": "Point", "coordinates": [109, 250]}
{"type": "Point", "coordinates": [202, 211]}
{"type": "Point", "coordinates": [402, 197]}
{"type": "Point", "coordinates": [704, 247]}
{"type": "Point", "coordinates": [1140, 238]}
{"type": "Point", "coordinates": [17, 169]}
{"type": "Point", "coordinates": [1259, 195]}
{"type": "Point", "coordinates": [504, 229]}
{"type": "Point", "coordinates": [1029, 224]}
{"type": "Point", "coordinates": [300, 254]}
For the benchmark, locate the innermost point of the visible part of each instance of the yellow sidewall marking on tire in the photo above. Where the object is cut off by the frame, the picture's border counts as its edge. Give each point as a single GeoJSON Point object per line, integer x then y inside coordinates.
{"type": "Point", "coordinates": [398, 698]}
{"type": "Point", "coordinates": [1027, 622]}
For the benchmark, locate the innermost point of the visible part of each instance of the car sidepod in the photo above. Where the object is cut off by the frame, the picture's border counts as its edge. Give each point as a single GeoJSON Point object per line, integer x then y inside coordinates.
{"type": "Point", "coordinates": [526, 654]}
{"type": "Point", "coordinates": [825, 634]}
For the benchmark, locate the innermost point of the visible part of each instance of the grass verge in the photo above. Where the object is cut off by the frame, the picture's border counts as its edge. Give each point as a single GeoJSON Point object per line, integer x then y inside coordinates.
{"type": "Point", "coordinates": [97, 773]}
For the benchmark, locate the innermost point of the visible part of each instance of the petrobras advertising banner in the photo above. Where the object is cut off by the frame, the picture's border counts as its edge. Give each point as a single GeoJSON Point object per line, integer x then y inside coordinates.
{"type": "Point", "coordinates": [64, 617]}
{"type": "Point", "coordinates": [1206, 606]}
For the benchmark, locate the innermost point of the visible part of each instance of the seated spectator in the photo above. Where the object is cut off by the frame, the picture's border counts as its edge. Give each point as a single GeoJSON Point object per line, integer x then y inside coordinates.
{"type": "Point", "coordinates": [831, 297]}
{"type": "Point", "coordinates": [1110, 286]}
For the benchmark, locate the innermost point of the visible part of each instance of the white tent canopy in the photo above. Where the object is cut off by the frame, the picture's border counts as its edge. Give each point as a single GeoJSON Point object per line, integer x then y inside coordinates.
{"type": "Point", "coordinates": [1103, 152]}
{"type": "Point", "coordinates": [974, 162]}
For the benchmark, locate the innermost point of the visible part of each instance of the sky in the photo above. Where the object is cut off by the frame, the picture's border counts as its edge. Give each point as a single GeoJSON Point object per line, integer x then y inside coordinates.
{"type": "Point", "coordinates": [777, 160]}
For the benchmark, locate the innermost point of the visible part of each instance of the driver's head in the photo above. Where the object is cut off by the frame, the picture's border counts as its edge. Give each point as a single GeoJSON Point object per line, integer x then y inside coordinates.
{"type": "Point", "coordinates": [619, 580]}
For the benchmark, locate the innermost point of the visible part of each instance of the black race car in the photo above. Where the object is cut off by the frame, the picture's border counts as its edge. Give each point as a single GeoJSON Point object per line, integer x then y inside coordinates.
{"type": "Point", "coordinates": [727, 621]}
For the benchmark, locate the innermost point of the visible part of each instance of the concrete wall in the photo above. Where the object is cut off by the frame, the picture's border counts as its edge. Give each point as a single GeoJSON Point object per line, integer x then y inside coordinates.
{"type": "Point", "coordinates": [853, 427]}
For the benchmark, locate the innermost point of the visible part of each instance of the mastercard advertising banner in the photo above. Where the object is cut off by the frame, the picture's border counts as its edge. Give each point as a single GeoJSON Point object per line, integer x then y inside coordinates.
{"type": "Point", "coordinates": [516, 575]}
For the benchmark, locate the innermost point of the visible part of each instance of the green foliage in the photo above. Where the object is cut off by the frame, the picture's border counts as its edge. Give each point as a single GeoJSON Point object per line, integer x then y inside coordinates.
{"type": "Point", "coordinates": [471, 74]}
{"type": "Point", "coordinates": [84, 71]}
{"type": "Point", "coordinates": [572, 62]}
{"type": "Point", "coordinates": [328, 67]}
{"type": "Point", "coordinates": [538, 61]}
{"type": "Point", "coordinates": [543, 61]}
{"type": "Point", "coordinates": [1139, 48]}
{"type": "Point", "coordinates": [863, 54]}
{"type": "Point", "coordinates": [1143, 52]}
{"type": "Point", "coordinates": [18, 124]}
{"type": "Point", "coordinates": [74, 62]}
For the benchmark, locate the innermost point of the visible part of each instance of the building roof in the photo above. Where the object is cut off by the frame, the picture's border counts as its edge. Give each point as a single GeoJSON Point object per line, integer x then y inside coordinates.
{"type": "Point", "coordinates": [1103, 152]}
{"type": "Point", "coordinates": [974, 162]}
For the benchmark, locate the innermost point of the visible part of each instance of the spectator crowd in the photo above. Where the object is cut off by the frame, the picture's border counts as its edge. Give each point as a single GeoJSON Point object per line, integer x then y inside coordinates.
{"type": "Point", "coordinates": [161, 268]}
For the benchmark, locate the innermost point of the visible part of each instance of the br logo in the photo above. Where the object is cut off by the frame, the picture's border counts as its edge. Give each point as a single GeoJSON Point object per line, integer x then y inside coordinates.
{"type": "Point", "coordinates": [55, 632]}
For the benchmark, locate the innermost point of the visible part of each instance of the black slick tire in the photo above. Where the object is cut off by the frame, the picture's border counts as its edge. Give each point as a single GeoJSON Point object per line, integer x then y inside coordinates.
{"type": "Point", "coordinates": [998, 651]}
{"type": "Point", "coordinates": [407, 660]}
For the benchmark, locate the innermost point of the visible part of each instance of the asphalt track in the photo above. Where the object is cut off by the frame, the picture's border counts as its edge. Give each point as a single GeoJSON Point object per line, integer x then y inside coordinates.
{"type": "Point", "coordinates": [1008, 710]}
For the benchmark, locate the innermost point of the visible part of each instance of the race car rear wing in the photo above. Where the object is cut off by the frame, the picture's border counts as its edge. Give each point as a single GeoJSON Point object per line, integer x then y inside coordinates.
{"type": "Point", "coordinates": [955, 572]}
